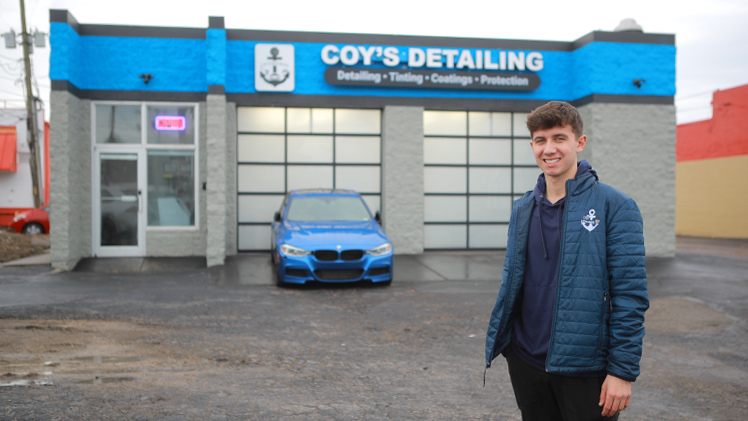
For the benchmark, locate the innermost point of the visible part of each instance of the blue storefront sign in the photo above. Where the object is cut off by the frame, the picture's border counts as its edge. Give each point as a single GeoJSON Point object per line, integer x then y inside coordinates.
{"type": "Point", "coordinates": [282, 63]}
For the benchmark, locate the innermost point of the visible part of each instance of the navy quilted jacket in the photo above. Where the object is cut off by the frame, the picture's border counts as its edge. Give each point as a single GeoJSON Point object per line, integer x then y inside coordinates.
{"type": "Point", "coordinates": [602, 284]}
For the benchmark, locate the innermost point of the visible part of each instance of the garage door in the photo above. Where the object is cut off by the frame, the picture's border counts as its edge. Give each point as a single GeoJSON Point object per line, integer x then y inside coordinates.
{"type": "Point", "coordinates": [475, 164]}
{"type": "Point", "coordinates": [282, 149]}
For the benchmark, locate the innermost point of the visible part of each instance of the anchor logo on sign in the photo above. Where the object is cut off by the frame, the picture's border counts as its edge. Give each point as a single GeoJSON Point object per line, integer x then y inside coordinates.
{"type": "Point", "coordinates": [590, 221]}
{"type": "Point", "coordinates": [274, 72]}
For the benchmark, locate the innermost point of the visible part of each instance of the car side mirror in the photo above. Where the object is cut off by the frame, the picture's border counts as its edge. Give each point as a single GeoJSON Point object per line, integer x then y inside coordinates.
{"type": "Point", "coordinates": [277, 217]}
{"type": "Point", "coordinates": [378, 217]}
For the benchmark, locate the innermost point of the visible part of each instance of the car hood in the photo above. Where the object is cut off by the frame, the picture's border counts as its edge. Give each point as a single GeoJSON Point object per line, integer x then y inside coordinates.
{"type": "Point", "coordinates": [329, 235]}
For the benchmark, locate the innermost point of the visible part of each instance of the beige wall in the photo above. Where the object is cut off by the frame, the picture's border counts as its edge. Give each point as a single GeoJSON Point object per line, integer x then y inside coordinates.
{"type": "Point", "coordinates": [711, 197]}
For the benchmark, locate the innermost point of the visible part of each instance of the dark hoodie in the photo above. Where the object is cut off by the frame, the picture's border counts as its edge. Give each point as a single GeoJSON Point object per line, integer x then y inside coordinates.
{"type": "Point", "coordinates": [532, 329]}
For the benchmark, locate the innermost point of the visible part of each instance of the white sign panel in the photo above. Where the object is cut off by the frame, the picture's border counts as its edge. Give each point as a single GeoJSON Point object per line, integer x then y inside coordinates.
{"type": "Point", "coordinates": [274, 68]}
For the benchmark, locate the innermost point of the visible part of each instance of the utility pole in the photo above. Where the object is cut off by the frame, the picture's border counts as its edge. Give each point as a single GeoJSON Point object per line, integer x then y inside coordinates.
{"type": "Point", "coordinates": [31, 112]}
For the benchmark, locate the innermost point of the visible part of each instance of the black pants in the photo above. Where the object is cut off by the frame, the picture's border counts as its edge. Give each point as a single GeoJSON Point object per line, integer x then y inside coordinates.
{"type": "Point", "coordinates": [547, 397]}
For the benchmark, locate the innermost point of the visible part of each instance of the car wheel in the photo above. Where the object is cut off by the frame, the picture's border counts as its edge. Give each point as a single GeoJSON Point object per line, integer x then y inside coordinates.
{"type": "Point", "coordinates": [33, 228]}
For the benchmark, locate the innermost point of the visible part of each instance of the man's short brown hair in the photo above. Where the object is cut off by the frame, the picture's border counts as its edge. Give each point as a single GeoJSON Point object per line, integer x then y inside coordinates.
{"type": "Point", "coordinates": [555, 114]}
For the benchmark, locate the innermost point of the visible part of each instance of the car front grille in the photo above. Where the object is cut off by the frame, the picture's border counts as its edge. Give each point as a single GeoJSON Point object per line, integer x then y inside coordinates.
{"type": "Point", "coordinates": [326, 255]}
{"type": "Point", "coordinates": [338, 274]}
{"type": "Point", "coordinates": [352, 254]}
{"type": "Point", "coordinates": [332, 255]}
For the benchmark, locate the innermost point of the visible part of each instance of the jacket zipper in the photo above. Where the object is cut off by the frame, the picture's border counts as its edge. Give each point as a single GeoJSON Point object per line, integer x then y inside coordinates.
{"type": "Point", "coordinates": [558, 274]}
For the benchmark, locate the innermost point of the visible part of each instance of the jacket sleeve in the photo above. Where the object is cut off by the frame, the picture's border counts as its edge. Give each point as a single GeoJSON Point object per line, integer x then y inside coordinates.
{"type": "Point", "coordinates": [628, 288]}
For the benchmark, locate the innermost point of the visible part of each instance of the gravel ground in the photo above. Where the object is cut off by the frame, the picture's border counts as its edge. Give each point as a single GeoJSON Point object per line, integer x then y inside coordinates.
{"type": "Point", "coordinates": [195, 345]}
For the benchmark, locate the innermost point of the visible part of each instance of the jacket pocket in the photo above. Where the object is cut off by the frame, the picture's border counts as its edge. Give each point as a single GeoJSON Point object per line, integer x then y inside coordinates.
{"type": "Point", "coordinates": [601, 337]}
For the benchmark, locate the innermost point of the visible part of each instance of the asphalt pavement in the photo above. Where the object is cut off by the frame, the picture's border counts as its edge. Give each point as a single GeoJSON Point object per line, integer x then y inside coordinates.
{"type": "Point", "coordinates": [172, 339]}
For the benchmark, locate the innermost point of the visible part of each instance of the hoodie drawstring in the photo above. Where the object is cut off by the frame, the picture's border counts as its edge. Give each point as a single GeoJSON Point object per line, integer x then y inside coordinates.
{"type": "Point", "coordinates": [542, 237]}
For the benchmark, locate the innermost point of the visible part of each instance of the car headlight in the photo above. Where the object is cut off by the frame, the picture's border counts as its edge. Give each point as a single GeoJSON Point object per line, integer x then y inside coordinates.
{"type": "Point", "coordinates": [380, 250]}
{"type": "Point", "coordinates": [19, 217]}
{"type": "Point", "coordinates": [289, 250]}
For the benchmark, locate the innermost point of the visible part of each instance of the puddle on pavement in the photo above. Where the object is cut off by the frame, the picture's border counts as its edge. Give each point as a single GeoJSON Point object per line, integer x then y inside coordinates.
{"type": "Point", "coordinates": [683, 315]}
{"type": "Point", "coordinates": [96, 371]}
{"type": "Point", "coordinates": [16, 383]}
{"type": "Point", "coordinates": [106, 380]}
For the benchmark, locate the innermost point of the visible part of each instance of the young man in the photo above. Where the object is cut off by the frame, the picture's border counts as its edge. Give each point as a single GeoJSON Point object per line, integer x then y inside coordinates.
{"type": "Point", "coordinates": [570, 311]}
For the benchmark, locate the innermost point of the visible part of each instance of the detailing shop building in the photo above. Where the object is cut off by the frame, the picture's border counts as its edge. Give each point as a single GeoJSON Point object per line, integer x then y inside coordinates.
{"type": "Point", "coordinates": [182, 141]}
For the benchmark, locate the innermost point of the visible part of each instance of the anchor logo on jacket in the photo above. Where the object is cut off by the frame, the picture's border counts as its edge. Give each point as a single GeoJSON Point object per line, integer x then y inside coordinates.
{"type": "Point", "coordinates": [590, 221]}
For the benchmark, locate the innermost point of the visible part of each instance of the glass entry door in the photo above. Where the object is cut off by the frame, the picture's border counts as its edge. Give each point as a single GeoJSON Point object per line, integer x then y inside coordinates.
{"type": "Point", "coordinates": [119, 223]}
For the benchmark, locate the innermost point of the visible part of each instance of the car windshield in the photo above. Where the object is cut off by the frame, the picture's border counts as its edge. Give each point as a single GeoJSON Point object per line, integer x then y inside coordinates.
{"type": "Point", "coordinates": [327, 208]}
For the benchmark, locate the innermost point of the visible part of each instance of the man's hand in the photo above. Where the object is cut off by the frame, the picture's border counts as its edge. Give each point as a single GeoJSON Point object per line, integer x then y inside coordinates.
{"type": "Point", "coordinates": [615, 395]}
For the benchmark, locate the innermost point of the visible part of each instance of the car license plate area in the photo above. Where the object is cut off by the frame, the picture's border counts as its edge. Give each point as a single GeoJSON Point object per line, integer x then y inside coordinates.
{"type": "Point", "coordinates": [338, 274]}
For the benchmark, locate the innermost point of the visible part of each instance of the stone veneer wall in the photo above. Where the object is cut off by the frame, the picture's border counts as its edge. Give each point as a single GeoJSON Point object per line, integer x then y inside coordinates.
{"type": "Point", "coordinates": [632, 148]}
{"type": "Point", "coordinates": [70, 184]}
{"type": "Point", "coordinates": [402, 177]}
{"type": "Point", "coordinates": [217, 180]}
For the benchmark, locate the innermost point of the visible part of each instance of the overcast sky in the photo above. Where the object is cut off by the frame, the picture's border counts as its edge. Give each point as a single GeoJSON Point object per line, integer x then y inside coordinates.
{"type": "Point", "coordinates": [711, 35]}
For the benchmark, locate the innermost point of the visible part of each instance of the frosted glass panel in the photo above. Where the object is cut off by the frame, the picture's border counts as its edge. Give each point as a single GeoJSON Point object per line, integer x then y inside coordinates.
{"type": "Point", "coordinates": [444, 180]}
{"type": "Point", "coordinates": [261, 119]}
{"type": "Point", "coordinates": [361, 179]}
{"type": "Point", "coordinates": [490, 124]}
{"type": "Point", "coordinates": [299, 120]}
{"type": "Point", "coordinates": [358, 149]}
{"type": "Point", "coordinates": [358, 121]}
{"type": "Point", "coordinates": [445, 236]}
{"type": "Point", "coordinates": [523, 152]}
{"type": "Point", "coordinates": [309, 177]}
{"type": "Point", "coordinates": [373, 202]}
{"type": "Point", "coordinates": [254, 237]}
{"type": "Point", "coordinates": [444, 150]}
{"type": "Point", "coordinates": [322, 120]}
{"type": "Point", "coordinates": [525, 179]}
{"type": "Point", "coordinates": [490, 152]}
{"type": "Point", "coordinates": [488, 236]}
{"type": "Point", "coordinates": [490, 180]}
{"type": "Point", "coordinates": [310, 149]}
{"type": "Point", "coordinates": [444, 209]}
{"type": "Point", "coordinates": [490, 208]}
{"type": "Point", "coordinates": [261, 178]}
{"type": "Point", "coordinates": [261, 148]}
{"type": "Point", "coordinates": [258, 208]}
{"type": "Point", "coordinates": [445, 123]}
{"type": "Point", "coordinates": [309, 120]}
{"type": "Point", "coordinates": [480, 123]}
{"type": "Point", "coordinates": [501, 124]}
{"type": "Point", "coordinates": [520, 125]}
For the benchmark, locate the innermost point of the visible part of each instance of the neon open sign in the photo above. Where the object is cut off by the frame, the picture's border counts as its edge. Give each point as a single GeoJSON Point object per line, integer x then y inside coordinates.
{"type": "Point", "coordinates": [171, 122]}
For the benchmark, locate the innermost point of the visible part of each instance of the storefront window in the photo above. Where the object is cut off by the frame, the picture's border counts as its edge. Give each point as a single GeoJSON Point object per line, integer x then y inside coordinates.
{"type": "Point", "coordinates": [117, 124]}
{"type": "Point", "coordinates": [170, 124]}
{"type": "Point", "coordinates": [171, 188]}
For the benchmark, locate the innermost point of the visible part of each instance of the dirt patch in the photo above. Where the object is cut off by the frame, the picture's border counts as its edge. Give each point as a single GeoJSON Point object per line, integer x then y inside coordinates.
{"type": "Point", "coordinates": [74, 351]}
{"type": "Point", "coordinates": [15, 246]}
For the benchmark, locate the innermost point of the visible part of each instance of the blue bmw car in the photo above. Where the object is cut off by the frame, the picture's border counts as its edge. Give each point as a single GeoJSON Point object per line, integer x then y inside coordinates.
{"type": "Point", "coordinates": [329, 236]}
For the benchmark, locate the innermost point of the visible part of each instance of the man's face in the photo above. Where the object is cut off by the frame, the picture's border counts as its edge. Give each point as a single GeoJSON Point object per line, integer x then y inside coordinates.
{"type": "Point", "coordinates": [556, 150]}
